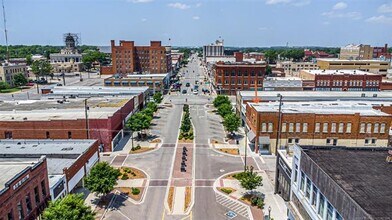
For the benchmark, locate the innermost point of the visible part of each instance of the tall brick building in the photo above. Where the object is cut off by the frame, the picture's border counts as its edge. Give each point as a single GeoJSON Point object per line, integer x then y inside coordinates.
{"type": "Point", "coordinates": [128, 58]}
{"type": "Point", "coordinates": [24, 188]}
{"type": "Point", "coordinates": [229, 77]}
{"type": "Point", "coordinates": [318, 123]}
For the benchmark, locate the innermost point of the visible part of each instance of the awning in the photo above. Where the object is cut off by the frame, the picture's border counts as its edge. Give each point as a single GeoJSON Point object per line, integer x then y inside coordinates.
{"type": "Point", "coordinates": [264, 140]}
{"type": "Point", "coordinates": [251, 135]}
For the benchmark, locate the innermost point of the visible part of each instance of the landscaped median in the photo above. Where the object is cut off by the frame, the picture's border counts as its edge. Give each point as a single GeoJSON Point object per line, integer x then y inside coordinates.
{"type": "Point", "coordinates": [186, 129]}
{"type": "Point", "coordinates": [131, 183]}
{"type": "Point", "coordinates": [146, 146]}
{"type": "Point", "coordinates": [243, 187]}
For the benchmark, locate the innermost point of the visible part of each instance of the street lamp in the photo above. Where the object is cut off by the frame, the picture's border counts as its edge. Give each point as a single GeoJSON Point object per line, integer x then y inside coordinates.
{"type": "Point", "coordinates": [279, 124]}
{"type": "Point", "coordinates": [269, 212]}
{"type": "Point", "coordinates": [86, 108]}
{"type": "Point", "coordinates": [246, 146]}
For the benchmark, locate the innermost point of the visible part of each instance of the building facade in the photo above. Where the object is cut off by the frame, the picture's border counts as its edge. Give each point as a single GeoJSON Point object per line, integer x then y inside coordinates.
{"type": "Point", "coordinates": [9, 70]}
{"type": "Point", "coordinates": [295, 67]}
{"type": "Point", "coordinates": [333, 183]}
{"type": "Point", "coordinates": [231, 77]}
{"type": "Point", "coordinates": [381, 52]}
{"type": "Point", "coordinates": [24, 188]}
{"type": "Point", "coordinates": [356, 52]}
{"type": "Point", "coordinates": [69, 59]}
{"type": "Point", "coordinates": [155, 82]}
{"type": "Point", "coordinates": [128, 58]}
{"type": "Point", "coordinates": [373, 66]}
{"type": "Point", "coordinates": [337, 123]}
{"type": "Point", "coordinates": [214, 50]}
{"type": "Point", "coordinates": [341, 80]}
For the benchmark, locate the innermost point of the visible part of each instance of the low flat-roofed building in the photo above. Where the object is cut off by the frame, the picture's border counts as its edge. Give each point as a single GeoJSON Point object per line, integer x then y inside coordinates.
{"type": "Point", "coordinates": [339, 123]}
{"type": "Point", "coordinates": [24, 188]}
{"type": "Point", "coordinates": [374, 66]}
{"type": "Point", "coordinates": [282, 84]}
{"type": "Point", "coordinates": [291, 67]}
{"type": "Point", "coordinates": [244, 97]}
{"type": "Point", "coordinates": [283, 174]}
{"type": "Point", "coordinates": [68, 161]}
{"type": "Point", "coordinates": [158, 82]}
{"type": "Point", "coordinates": [341, 80]}
{"type": "Point", "coordinates": [101, 118]}
{"type": "Point", "coordinates": [341, 183]}
{"type": "Point", "coordinates": [9, 70]}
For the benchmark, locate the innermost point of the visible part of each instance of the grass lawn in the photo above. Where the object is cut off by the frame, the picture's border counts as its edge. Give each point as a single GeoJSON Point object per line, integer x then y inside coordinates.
{"type": "Point", "coordinates": [9, 90]}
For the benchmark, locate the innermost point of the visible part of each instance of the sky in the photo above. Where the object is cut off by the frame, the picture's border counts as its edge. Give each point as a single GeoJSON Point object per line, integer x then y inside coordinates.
{"type": "Point", "coordinates": [245, 23]}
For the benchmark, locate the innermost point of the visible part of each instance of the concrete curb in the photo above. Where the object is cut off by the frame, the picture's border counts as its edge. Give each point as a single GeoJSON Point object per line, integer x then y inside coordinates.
{"type": "Point", "coordinates": [220, 152]}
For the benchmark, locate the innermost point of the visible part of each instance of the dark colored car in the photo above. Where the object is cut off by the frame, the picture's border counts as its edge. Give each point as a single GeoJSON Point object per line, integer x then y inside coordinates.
{"type": "Point", "coordinates": [188, 84]}
{"type": "Point", "coordinates": [184, 91]}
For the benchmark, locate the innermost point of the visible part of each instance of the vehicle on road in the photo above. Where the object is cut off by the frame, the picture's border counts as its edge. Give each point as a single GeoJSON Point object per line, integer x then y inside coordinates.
{"type": "Point", "coordinates": [187, 84]}
{"type": "Point", "coordinates": [59, 84]}
{"type": "Point", "coordinates": [195, 92]}
{"type": "Point", "coordinates": [184, 91]}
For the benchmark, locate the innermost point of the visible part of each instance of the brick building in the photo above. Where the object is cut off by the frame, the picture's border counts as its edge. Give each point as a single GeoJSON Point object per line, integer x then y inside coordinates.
{"type": "Point", "coordinates": [68, 161]}
{"type": "Point", "coordinates": [340, 80]}
{"type": "Point", "coordinates": [66, 119]}
{"type": "Point", "coordinates": [24, 188]}
{"type": "Point", "coordinates": [231, 77]}
{"type": "Point", "coordinates": [128, 58]}
{"type": "Point", "coordinates": [155, 82]}
{"type": "Point", "coordinates": [318, 123]}
{"type": "Point", "coordinates": [379, 52]}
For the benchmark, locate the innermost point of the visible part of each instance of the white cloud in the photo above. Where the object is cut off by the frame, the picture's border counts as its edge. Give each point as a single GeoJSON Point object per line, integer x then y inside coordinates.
{"type": "Point", "coordinates": [326, 23]}
{"type": "Point", "coordinates": [140, 1]}
{"type": "Point", "coordinates": [351, 15]}
{"type": "Point", "coordinates": [195, 17]}
{"type": "Point", "coordinates": [178, 5]}
{"type": "Point", "coordinates": [302, 3]}
{"type": "Point", "coordinates": [263, 28]}
{"type": "Point", "coordinates": [198, 5]}
{"type": "Point", "coordinates": [274, 2]}
{"type": "Point", "coordinates": [385, 8]}
{"type": "Point", "coordinates": [339, 6]}
{"type": "Point", "coordinates": [144, 19]}
{"type": "Point", "coordinates": [380, 19]}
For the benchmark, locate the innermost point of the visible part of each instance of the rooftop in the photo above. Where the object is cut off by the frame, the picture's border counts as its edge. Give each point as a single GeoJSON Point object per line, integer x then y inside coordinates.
{"type": "Point", "coordinates": [244, 63]}
{"type": "Point", "coordinates": [11, 168]}
{"type": "Point", "coordinates": [327, 107]}
{"type": "Point", "coordinates": [58, 109]}
{"type": "Point", "coordinates": [351, 61]}
{"type": "Point", "coordinates": [96, 90]}
{"type": "Point", "coordinates": [338, 72]}
{"type": "Point", "coordinates": [362, 173]}
{"type": "Point", "coordinates": [147, 76]}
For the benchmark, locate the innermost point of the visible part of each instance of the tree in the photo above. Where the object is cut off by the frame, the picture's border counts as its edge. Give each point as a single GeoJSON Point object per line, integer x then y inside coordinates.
{"type": "Point", "coordinates": [158, 97]}
{"type": "Point", "coordinates": [102, 178]}
{"type": "Point", "coordinates": [231, 122]}
{"type": "Point", "coordinates": [225, 109]}
{"type": "Point", "coordinates": [29, 59]}
{"type": "Point", "coordinates": [92, 56]}
{"type": "Point", "coordinates": [20, 79]}
{"type": "Point", "coordinates": [138, 122]}
{"type": "Point", "coordinates": [41, 68]}
{"type": "Point", "coordinates": [271, 56]}
{"type": "Point", "coordinates": [70, 207]}
{"type": "Point", "coordinates": [149, 112]}
{"type": "Point", "coordinates": [268, 71]}
{"type": "Point", "coordinates": [153, 106]}
{"type": "Point", "coordinates": [4, 85]}
{"type": "Point", "coordinates": [250, 180]}
{"type": "Point", "coordinates": [221, 99]}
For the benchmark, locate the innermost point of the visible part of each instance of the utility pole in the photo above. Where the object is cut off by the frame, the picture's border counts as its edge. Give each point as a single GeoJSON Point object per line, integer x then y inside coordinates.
{"type": "Point", "coordinates": [86, 108]}
{"type": "Point", "coordinates": [277, 143]}
{"type": "Point", "coordinates": [246, 146]}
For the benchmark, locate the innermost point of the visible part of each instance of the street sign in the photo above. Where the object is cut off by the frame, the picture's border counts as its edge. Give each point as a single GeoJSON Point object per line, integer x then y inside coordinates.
{"type": "Point", "coordinates": [231, 214]}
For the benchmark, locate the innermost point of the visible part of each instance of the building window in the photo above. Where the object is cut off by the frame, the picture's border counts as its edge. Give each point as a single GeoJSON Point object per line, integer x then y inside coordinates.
{"type": "Point", "coordinates": [284, 127]}
{"type": "Point", "coordinates": [314, 197]}
{"type": "Point", "coordinates": [69, 135]}
{"type": "Point", "coordinates": [369, 128]}
{"type": "Point", "coordinates": [291, 127]}
{"type": "Point", "coordinates": [296, 173]}
{"type": "Point", "coordinates": [305, 127]}
{"type": "Point", "coordinates": [362, 128]}
{"type": "Point", "coordinates": [341, 127]}
{"type": "Point", "coordinates": [338, 216]}
{"type": "Point", "coordinates": [43, 188]}
{"type": "Point", "coordinates": [308, 188]}
{"type": "Point", "coordinates": [10, 215]}
{"type": "Point", "coordinates": [296, 140]}
{"type": "Point", "coordinates": [28, 203]}
{"type": "Point", "coordinates": [374, 141]}
{"type": "Point", "coordinates": [333, 127]}
{"type": "Point", "coordinates": [329, 211]}
{"type": "Point", "coordinates": [290, 140]}
{"type": "Point", "coordinates": [317, 128]}
{"type": "Point", "coordinates": [376, 127]}
{"type": "Point", "coordinates": [263, 127]}
{"type": "Point", "coordinates": [335, 142]}
{"type": "Point", "coordinates": [302, 184]}
{"type": "Point", "coordinates": [382, 128]}
{"type": "Point", "coordinates": [8, 134]}
{"type": "Point", "coordinates": [20, 210]}
{"type": "Point", "coordinates": [47, 135]}
{"type": "Point", "coordinates": [321, 205]}
{"type": "Point", "coordinates": [270, 127]}
{"type": "Point", "coordinates": [297, 127]}
{"type": "Point", "coordinates": [348, 128]}
{"type": "Point", "coordinates": [325, 127]}
{"type": "Point", "coordinates": [36, 196]}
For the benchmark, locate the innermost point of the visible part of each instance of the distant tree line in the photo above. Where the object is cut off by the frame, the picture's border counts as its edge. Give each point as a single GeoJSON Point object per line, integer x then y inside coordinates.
{"type": "Point", "coordinates": [22, 51]}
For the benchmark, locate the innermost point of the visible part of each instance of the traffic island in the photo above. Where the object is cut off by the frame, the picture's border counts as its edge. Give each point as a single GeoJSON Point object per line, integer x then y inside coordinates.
{"type": "Point", "coordinates": [231, 151]}
{"type": "Point", "coordinates": [132, 184]}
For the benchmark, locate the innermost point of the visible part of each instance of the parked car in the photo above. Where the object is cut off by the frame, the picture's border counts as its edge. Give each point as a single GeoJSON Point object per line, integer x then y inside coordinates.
{"type": "Point", "coordinates": [195, 92]}
{"type": "Point", "coordinates": [59, 84]}
{"type": "Point", "coordinates": [184, 91]}
{"type": "Point", "coordinates": [187, 84]}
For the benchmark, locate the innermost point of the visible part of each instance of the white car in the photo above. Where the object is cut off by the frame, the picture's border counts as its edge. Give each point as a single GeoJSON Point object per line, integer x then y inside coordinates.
{"type": "Point", "coordinates": [195, 92]}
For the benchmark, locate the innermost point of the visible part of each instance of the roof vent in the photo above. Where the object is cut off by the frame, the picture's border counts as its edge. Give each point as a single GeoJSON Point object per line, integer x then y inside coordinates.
{"type": "Point", "coordinates": [25, 118]}
{"type": "Point", "coordinates": [67, 149]}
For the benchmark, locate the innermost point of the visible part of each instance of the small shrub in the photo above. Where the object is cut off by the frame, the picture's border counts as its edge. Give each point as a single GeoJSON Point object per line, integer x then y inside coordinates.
{"type": "Point", "coordinates": [133, 174]}
{"type": "Point", "coordinates": [135, 191]}
{"type": "Point", "coordinates": [239, 176]}
{"type": "Point", "coordinates": [133, 149]}
{"type": "Point", "coordinates": [124, 176]}
{"type": "Point", "coordinates": [127, 169]}
{"type": "Point", "coordinates": [227, 191]}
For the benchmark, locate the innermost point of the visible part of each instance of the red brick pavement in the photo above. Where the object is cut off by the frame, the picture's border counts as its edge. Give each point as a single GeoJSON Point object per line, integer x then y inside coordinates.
{"type": "Point", "coordinates": [183, 178]}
